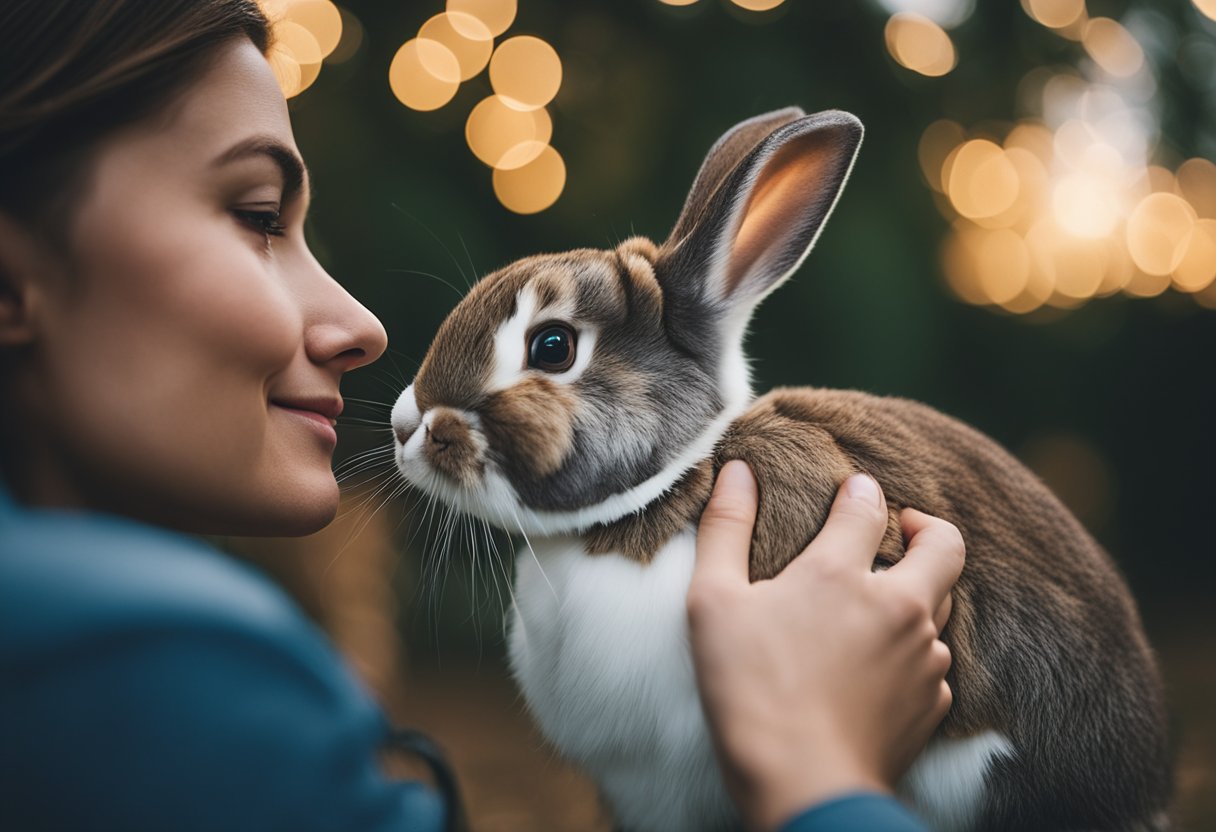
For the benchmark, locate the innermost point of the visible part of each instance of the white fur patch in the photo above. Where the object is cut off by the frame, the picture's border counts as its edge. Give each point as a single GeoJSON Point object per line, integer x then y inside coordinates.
{"type": "Point", "coordinates": [598, 645]}
{"type": "Point", "coordinates": [510, 345]}
{"type": "Point", "coordinates": [946, 784]}
{"type": "Point", "coordinates": [405, 417]}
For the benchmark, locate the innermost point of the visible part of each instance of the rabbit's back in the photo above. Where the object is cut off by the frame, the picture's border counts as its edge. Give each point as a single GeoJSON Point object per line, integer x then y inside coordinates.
{"type": "Point", "coordinates": [1048, 647]}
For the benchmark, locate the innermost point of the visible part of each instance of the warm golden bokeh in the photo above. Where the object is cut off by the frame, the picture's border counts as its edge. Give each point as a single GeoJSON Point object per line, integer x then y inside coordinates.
{"type": "Point", "coordinates": [1197, 268]}
{"type": "Point", "coordinates": [497, 15]}
{"type": "Point", "coordinates": [352, 39]}
{"type": "Point", "coordinates": [526, 72]}
{"type": "Point", "coordinates": [1196, 182]}
{"type": "Point", "coordinates": [1112, 47]}
{"type": "Point", "coordinates": [919, 44]}
{"type": "Point", "coordinates": [304, 33]}
{"type": "Point", "coordinates": [1055, 14]}
{"type": "Point", "coordinates": [465, 36]}
{"type": "Point", "coordinates": [677, 2]}
{"type": "Point", "coordinates": [1068, 207]}
{"type": "Point", "coordinates": [534, 186]}
{"type": "Point", "coordinates": [1207, 7]}
{"type": "Point", "coordinates": [424, 74]}
{"type": "Point", "coordinates": [286, 71]}
{"type": "Point", "coordinates": [504, 137]}
{"type": "Point", "coordinates": [982, 181]}
{"type": "Point", "coordinates": [1157, 232]}
{"type": "Point", "coordinates": [936, 143]}
{"type": "Point", "coordinates": [320, 17]}
{"type": "Point", "coordinates": [758, 5]}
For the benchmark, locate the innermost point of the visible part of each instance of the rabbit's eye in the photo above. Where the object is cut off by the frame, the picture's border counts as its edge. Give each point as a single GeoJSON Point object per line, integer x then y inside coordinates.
{"type": "Point", "coordinates": [552, 348]}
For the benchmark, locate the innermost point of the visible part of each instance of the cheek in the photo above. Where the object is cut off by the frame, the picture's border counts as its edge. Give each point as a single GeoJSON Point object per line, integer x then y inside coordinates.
{"type": "Point", "coordinates": [532, 426]}
{"type": "Point", "coordinates": [161, 353]}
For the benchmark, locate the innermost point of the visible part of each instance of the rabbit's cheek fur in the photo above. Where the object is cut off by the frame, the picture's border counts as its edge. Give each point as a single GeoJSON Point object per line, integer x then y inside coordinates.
{"type": "Point", "coordinates": [531, 425]}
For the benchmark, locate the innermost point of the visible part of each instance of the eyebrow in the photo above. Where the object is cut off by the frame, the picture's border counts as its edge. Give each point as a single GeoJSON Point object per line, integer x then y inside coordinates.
{"type": "Point", "coordinates": [290, 164]}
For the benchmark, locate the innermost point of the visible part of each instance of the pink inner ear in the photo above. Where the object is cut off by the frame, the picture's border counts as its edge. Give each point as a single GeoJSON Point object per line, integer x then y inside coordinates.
{"type": "Point", "coordinates": [779, 209]}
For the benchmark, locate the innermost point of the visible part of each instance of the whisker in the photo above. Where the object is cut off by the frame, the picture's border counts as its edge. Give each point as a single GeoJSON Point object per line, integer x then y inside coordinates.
{"type": "Point", "coordinates": [436, 238]}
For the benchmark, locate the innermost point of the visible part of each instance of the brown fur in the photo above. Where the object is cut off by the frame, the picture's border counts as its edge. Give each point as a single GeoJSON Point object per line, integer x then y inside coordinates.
{"type": "Point", "coordinates": [531, 424]}
{"type": "Point", "coordinates": [450, 447]}
{"type": "Point", "coordinates": [1024, 549]}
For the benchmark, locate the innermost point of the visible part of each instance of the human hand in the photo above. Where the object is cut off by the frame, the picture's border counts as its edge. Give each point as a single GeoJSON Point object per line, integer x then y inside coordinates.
{"type": "Point", "coordinates": [829, 678]}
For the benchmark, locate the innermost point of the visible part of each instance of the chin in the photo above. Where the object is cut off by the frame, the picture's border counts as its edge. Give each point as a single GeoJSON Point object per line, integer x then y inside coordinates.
{"type": "Point", "coordinates": [295, 510]}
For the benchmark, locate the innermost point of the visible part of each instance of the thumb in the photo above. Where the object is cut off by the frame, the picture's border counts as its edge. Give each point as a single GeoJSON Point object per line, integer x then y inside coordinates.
{"type": "Point", "coordinates": [725, 535]}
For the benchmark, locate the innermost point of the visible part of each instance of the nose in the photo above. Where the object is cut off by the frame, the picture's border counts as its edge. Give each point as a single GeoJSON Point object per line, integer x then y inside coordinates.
{"type": "Point", "coordinates": [343, 333]}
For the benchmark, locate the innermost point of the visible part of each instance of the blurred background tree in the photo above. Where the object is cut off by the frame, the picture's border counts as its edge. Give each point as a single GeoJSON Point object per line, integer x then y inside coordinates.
{"type": "Point", "coordinates": [1028, 242]}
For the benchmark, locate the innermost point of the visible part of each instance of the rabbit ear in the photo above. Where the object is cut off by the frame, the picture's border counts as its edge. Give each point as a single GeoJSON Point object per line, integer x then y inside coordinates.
{"type": "Point", "coordinates": [757, 207]}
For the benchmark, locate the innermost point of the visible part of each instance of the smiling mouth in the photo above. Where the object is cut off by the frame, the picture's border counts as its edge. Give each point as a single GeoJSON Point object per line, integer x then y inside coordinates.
{"type": "Point", "coordinates": [321, 414]}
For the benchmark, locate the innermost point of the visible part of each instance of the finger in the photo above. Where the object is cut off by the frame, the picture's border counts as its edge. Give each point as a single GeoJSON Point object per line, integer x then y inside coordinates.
{"type": "Point", "coordinates": [724, 537]}
{"type": "Point", "coordinates": [934, 558]}
{"type": "Point", "coordinates": [855, 525]}
{"type": "Point", "coordinates": [942, 614]}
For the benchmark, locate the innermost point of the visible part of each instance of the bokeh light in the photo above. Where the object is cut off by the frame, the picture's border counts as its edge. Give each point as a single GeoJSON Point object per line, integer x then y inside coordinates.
{"type": "Point", "coordinates": [1157, 232]}
{"type": "Point", "coordinates": [465, 36]}
{"type": "Point", "coordinates": [286, 71]}
{"type": "Point", "coordinates": [321, 18]}
{"type": "Point", "coordinates": [919, 44]}
{"type": "Point", "coordinates": [1207, 7]}
{"type": "Point", "coordinates": [504, 137]}
{"type": "Point", "coordinates": [1196, 182]}
{"type": "Point", "coordinates": [1112, 47]}
{"type": "Point", "coordinates": [945, 13]}
{"type": "Point", "coordinates": [534, 186]}
{"type": "Point", "coordinates": [526, 72]}
{"type": "Point", "coordinates": [424, 74]}
{"type": "Point", "coordinates": [352, 38]}
{"type": "Point", "coordinates": [1055, 14]}
{"type": "Point", "coordinates": [936, 143]}
{"type": "Point", "coordinates": [497, 15]}
{"type": "Point", "coordinates": [758, 5]}
{"type": "Point", "coordinates": [982, 181]}
{"type": "Point", "coordinates": [303, 34]}
{"type": "Point", "coordinates": [677, 2]}
{"type": "Point", "coordinates": [1197, 268]}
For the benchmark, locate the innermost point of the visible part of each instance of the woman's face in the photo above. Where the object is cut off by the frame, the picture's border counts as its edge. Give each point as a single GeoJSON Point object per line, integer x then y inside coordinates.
{"type": "Point", "coordinates": [185, 366]}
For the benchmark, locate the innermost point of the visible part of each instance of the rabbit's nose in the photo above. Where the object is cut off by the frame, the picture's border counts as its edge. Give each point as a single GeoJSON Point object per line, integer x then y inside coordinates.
{"type": "Point", "coordinates": [452, 445]}
{"type": "Point", "coordinates": [439, 438]}
{"type": "Point", "coordinates": [403, 434]}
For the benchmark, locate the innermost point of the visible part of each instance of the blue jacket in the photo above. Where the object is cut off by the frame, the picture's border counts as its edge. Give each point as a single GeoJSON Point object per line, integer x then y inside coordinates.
{"type": "Point", "coordinates": [148, 682]}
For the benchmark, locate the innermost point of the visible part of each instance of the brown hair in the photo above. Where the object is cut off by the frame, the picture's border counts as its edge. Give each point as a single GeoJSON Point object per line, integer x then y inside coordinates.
{"type": "Point", "coordinates": [72, 72]}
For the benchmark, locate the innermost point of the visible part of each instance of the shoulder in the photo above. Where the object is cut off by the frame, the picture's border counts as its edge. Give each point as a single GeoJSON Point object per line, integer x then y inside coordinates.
{"type": "Point", "coordinates": [73, 578]}
{"type": "Point", "coordinates": [151, 682]}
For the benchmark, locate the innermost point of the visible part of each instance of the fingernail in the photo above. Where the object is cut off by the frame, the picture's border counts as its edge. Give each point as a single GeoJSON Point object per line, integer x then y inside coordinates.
{"type": "Point", "coordinates": [861, 487]}
{"type": "Point", "coordinates": [734, 474]}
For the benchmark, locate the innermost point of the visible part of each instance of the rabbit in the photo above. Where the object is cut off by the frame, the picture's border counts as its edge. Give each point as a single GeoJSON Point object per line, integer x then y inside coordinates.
{"type": "Point", "coordinates": [586, 401]}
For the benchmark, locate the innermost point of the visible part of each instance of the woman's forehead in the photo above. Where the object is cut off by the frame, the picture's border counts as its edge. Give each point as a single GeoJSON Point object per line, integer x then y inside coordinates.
{"type": "Point", "coordinates": [235, 99]}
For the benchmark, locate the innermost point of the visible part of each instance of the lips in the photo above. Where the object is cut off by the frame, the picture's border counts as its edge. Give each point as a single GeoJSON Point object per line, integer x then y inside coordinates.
{"type": "Point", "coordinates": [327, 408]}
{"type": "Point", "coordinates": [320, 412]}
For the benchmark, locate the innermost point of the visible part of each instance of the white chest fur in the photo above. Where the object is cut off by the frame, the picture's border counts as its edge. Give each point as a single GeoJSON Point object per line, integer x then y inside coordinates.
{"type": "Point", "coordinates": [599, 647]}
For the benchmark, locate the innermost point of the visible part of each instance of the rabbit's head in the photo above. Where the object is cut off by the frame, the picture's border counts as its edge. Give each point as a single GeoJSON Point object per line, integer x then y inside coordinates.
{"type": "Point", "coordinates": [567, 390]}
